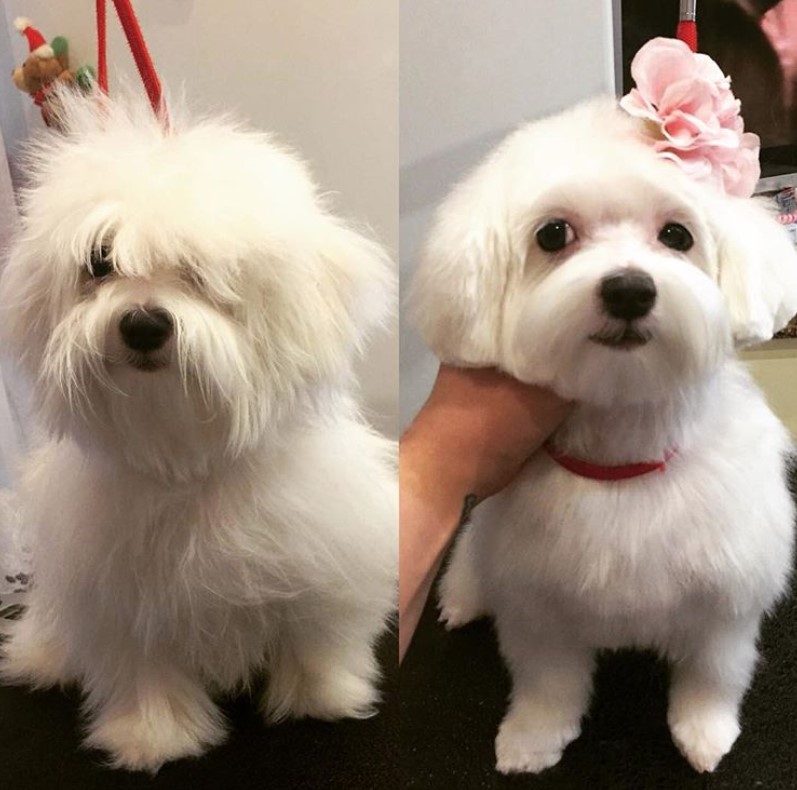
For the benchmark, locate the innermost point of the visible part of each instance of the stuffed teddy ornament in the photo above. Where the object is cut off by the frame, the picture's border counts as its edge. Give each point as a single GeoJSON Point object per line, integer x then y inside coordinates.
{"type": "Point", "coordinates": [46, 66]}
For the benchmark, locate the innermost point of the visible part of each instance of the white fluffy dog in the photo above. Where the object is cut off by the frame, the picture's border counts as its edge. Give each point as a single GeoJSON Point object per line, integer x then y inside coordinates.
{"type": "Point", "coordinates": [576, 258]}
{"type": "Point", "coordinates": [208, 502]}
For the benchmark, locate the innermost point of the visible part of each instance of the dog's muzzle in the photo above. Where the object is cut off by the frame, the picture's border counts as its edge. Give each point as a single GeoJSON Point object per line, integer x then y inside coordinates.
{"type": "Point", "coordinates": [146, 330]}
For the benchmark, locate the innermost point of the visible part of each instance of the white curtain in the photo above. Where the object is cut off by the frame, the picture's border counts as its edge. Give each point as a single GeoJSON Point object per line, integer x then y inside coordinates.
{"type": "Point", "coordinates": [14, 565]}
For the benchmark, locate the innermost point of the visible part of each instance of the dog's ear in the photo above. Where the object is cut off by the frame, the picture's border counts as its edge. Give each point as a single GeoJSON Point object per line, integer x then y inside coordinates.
{"type": "Point", "coordinates": [323, 294]}
{"type": "Point", "coordinates": [456, 294]}
{"type": "Point", "coordinates": [360, 283]}
{"type": "Point", "coordinates": [757, 269]}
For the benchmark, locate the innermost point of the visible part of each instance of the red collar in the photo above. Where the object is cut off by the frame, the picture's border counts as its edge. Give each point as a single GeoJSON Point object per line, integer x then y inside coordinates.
{"type": "Point", "coordinates": [599, 472]}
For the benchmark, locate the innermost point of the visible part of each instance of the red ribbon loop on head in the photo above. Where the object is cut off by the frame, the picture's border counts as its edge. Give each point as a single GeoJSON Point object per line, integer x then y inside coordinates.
{"type": "Point", "coordinates": [687, 32]}
{"type": "Point", "coordinates": [138, 47]}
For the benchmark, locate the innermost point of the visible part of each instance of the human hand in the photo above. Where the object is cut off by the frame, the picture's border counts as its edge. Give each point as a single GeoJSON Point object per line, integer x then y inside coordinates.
{"type": "Point", "coordinates": [476, 430]}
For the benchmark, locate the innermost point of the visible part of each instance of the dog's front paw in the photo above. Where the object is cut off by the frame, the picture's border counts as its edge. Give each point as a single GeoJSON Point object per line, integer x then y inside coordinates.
{"type": "Point", "coordinates": [336, 693]}
{"type": "Point", "coordinates": [704, 735]}
{"type": "Point", "coordinates": [144, 740]}
{"type": "Point", "coordinates": [532, 740]}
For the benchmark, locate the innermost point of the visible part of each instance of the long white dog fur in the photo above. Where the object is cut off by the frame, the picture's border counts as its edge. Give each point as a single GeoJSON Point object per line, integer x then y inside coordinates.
{"type": "Point", "coordinates": [685, 561]}
{"type": "Point", "coordinates": [216, 506]}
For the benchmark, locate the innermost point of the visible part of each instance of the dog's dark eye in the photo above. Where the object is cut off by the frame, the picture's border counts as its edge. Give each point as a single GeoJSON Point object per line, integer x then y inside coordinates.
{"type": "Point", "coordinates": [555, 235]}
{"type": "Point", "coordinates": [676, 237]}
{"type": "Point", "coordinates": [100, 265]}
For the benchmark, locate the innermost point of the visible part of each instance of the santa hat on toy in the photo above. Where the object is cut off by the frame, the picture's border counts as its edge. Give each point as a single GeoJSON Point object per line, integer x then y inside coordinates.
{"type": "Point", "coordinates": [36, 42]}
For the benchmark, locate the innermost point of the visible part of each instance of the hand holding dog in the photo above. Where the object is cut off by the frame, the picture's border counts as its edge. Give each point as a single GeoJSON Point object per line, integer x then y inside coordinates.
{"type": "Point", "coordinates": [471, 437]}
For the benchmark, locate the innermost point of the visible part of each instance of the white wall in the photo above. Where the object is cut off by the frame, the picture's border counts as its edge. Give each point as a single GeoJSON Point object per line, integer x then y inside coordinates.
{"type": "Point", "coordinates": [470, 72]}
{"type": "Point", "coordinates": [323, 74]}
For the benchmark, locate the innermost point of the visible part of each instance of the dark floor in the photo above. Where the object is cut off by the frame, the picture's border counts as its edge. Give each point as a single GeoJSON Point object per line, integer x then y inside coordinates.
{"type": "Point", "coordinates": [454, 690]}
{"type": "Point", "coordinates": [39, 749]}
{"type": "Point", "coordinates": [439, 734]}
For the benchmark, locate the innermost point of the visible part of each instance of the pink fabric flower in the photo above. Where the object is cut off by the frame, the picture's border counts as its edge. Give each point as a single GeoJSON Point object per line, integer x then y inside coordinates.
{"type": "Point", "coordinates": [693, 116]}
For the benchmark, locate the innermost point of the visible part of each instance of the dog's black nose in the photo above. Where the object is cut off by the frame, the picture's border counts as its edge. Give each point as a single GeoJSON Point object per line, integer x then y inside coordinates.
{"type": "Point", "coordinates": [146, 330]}
{"type": "Point", "coordinates": [628, 294]}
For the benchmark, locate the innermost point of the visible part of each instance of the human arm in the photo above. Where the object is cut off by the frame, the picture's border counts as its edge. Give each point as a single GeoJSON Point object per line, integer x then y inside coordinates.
{"type": "Point", "coordinates": [470, 439]}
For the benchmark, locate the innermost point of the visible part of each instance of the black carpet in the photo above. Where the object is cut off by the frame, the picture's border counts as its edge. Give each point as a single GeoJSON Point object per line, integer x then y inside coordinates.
{"type": "Point", "coordinates": [454, 690]}
{"type": "Point", "coordinates": [40, 749]}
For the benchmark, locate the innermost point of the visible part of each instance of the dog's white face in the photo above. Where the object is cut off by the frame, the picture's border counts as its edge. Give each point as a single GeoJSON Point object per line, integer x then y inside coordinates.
{"type": "Point", "coordinates": [176, 295]}
{"type": "Point", "coordinates": [618, 297]}
{"type": "Point", "coordinates": [575, 257]}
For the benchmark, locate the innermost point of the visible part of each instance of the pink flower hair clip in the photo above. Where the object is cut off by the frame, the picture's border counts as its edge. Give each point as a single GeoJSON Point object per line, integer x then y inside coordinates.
{"type": "Point", "coordinates": [692, 116]}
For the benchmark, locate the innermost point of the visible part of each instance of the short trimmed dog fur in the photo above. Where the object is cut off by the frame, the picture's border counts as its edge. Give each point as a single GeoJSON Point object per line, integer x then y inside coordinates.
{"type": "Point", "coordinates": [575, 258]}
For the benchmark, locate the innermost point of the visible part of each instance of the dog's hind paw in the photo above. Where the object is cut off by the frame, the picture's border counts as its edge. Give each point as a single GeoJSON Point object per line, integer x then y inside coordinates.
{"type": "Point", "coordinates": [460, 600]}
{"type": "Point", "coordinates": [459, 605]}
{"type": "Point", "coordinates": [704, 737]}
{"type": "Point", "coordinates": [457, 616]}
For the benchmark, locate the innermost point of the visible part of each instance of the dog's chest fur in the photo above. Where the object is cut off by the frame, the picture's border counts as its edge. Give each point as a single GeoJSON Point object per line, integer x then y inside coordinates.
{"type": "Point", "coordinates": [210, 570]}
{"type": "Point", "coordinates": [623, 561]}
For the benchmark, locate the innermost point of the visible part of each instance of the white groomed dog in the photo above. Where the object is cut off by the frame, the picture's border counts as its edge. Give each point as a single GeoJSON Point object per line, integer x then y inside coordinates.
{"type": "Point", "coordinates": [576, 258]}
{"type": "Point", "coordinates": [208, 502]}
